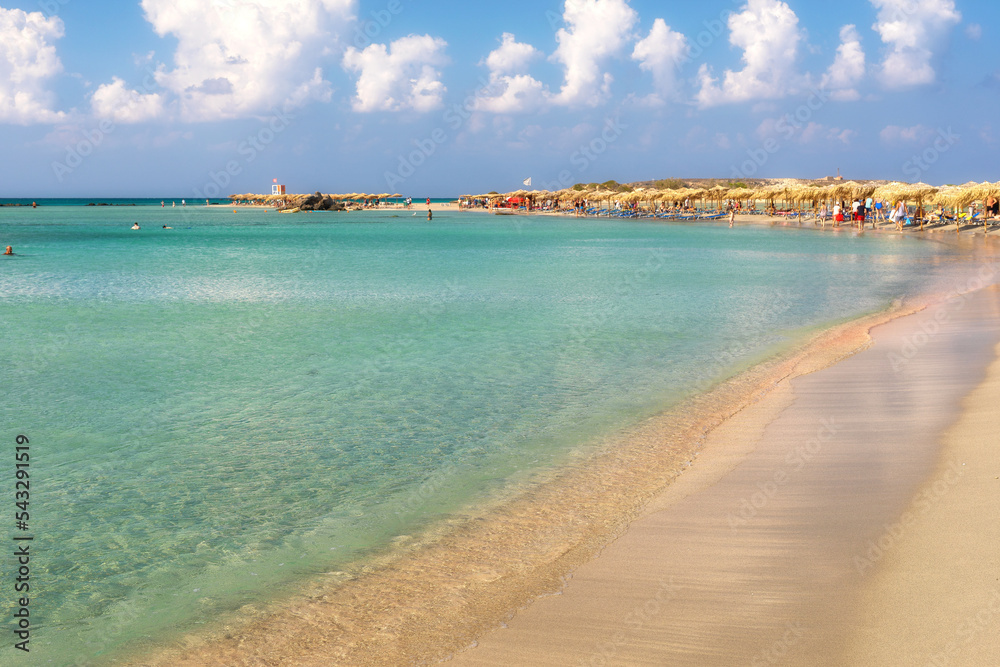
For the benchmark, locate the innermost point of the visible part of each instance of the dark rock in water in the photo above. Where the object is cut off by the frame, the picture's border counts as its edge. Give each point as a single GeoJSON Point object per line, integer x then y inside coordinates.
{"type": "Point", "coordinates": [311, 202]}
{"type": "Point", "coordinates": [318, 202]}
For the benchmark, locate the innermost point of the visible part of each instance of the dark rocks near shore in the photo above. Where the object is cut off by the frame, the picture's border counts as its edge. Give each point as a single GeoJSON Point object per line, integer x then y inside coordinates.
{"type": "Point", "coordinates": [319, 202]}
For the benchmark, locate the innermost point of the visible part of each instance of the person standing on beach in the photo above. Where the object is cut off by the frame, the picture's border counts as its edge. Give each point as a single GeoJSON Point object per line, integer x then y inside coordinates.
{"type": "Point", "coordinates": [732, 217]}
{"type": "Point", "coordinates": [899, 215]}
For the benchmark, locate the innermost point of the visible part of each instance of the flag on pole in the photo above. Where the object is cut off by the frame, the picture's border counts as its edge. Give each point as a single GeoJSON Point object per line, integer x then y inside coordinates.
{"type": "Point", "coordinates": [527, 182]}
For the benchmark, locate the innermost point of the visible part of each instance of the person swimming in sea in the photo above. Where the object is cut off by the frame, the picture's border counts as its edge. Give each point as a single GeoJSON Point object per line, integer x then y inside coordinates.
{"type": "Point", "coordinates": [165, 227]}
{"type": "Point", "coordinates": [136, 226]}
{"type": "Point", "coordinates": [9, 251]}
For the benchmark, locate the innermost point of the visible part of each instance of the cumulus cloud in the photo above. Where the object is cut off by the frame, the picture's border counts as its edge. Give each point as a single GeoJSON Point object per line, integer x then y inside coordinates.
{"type": "Point", "coordinates": [596, 30]}
{"type": "Point", "coordinates": [811, 133]}
{"type": "Point", "coordinates": [768, 32]}
{"type": "Point", "coordinates": [512, 57]}
{"type": "Point", "coordinates": [400, 76]}
{"type": "Point", "coordinates": [848, 67]}
{"type": "Point", "coordinates": [241, 57]}
{"type": "Point", "coordinates": [27, 61]}
{"type": "Point", "coordinates": [122, 105]}
{"type": "Point", "coordinates": [914, 31]}
{"type": "Point", "coordinates": [511, 89]}
{"type": "Point", "coordinates": [894, 134]}
{"type": "Point", "coordinates": [814, 133]}
{"type": "Point", "coordinates": [662, 52]}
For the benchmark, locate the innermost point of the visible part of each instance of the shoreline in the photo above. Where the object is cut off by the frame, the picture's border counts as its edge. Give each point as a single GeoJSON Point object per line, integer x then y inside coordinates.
{"type": "Point", "coordinates": [464, 553]}
{"type": "Point", "coordinates": [969, 229]}
{"type": "Point", "coordinates": [442, 595]}
{"type": "Point", "coordinates": [811, 559]}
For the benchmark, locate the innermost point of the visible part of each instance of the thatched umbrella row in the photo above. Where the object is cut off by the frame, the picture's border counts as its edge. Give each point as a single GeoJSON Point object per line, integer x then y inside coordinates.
{"type": "Point", "coordinates": [790, 192]}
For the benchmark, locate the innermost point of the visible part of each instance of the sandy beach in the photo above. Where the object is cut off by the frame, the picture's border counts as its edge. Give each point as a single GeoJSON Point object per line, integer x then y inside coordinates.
{"type": "Point", "coordinates": [845, 519]}
{"type": "Point", "coordinates": [773, 538]}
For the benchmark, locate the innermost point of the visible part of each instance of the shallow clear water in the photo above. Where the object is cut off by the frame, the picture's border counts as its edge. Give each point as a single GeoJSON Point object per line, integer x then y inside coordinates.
{"type": "Point", "coordinates": [251, 399]}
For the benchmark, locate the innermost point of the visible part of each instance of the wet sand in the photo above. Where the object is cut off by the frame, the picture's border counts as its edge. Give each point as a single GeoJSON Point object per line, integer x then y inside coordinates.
{"type": "Point", "coordinates": [785, 546]}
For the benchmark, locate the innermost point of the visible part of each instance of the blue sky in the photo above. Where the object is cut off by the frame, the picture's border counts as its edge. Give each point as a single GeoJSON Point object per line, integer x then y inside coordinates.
{"type": "Point", "coordinates": [193, 98]}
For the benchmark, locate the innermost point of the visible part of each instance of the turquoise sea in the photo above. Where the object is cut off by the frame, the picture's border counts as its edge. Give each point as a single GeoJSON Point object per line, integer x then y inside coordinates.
{"type": "Point", "coordinates": [222, 409]}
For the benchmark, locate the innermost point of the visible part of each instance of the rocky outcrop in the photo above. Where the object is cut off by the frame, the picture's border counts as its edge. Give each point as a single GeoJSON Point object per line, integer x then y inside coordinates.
{"type": "Point", "coordinates": [319, 202]}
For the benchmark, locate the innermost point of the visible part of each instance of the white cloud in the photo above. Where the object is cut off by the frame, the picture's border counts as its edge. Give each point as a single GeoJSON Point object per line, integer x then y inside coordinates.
{"type": "Point", "coordinates": [512, 57]}
{"type": "Point", "coordinates": [27, 61]}
{"type": "Point", "coordinates": [848, 67]}
{"type": "Point", "coordinates": [914, 31]}
{"type": "Point", "coordinates": [810, 134]}
{"type": "Point", "coordinates": [400, 76]}
{"type": "Point", "coordinates": [662, 53]}
{"type": "Point", "coordinates": [239, 57]}
{"type": "Point", "coordinates": [597, 30]}
{"type": "Point", "coordinates": [510, 89]}
{"type": "Point", "coordinates": [768, 32]}
{"type": "Point", "coordinates": [974, 31]}
{"type": "Point", "coordinates": [116, 102]}
{"type": "Point", "coordinates": [894, 134]}
{"type": "Point", "coordinates": [817, 133]}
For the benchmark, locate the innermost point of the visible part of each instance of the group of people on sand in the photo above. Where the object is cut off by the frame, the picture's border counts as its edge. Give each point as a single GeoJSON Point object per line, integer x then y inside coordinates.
{"type": "Point", "coordinates": [859, 213]}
